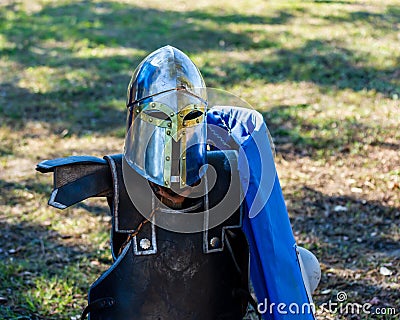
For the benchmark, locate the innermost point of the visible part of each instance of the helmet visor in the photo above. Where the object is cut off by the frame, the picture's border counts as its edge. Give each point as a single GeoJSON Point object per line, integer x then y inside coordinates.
{"type": "Point", "coordinates": [166, 138]}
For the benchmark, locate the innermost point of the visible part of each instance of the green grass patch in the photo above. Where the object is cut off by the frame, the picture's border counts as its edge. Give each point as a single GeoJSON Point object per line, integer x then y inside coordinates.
{"type": "Point", "coordinates": [325, 75]}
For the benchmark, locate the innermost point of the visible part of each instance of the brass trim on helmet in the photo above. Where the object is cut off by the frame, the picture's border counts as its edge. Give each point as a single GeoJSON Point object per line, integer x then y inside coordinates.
{"type": "Point", "coordinates": [174, 122]}
{"type": "Point", "coordinates": [183, 162]}
{"type": "Point", "coordinates": [174, 126]}
{"type": "Point", "coordinates": [167, 160]}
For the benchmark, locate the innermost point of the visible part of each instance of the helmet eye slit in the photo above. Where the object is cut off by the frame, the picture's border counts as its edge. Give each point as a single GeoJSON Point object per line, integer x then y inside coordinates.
{"type": "Point", "coordinates": [193, 115]}
{"type": "Point", "coordinates": [157, 114]}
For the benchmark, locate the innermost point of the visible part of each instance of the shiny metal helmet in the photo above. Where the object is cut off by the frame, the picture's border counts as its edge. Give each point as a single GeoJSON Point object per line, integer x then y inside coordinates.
{"type": "Point", "coordinates": [166, 124]}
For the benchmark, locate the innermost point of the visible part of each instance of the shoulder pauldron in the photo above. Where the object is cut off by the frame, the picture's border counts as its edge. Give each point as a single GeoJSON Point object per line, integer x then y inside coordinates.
{"type": "Point", "coordinates": [77, 178]}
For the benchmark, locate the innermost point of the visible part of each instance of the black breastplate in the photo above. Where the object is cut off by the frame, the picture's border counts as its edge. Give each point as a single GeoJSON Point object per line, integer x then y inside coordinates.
{"type": "Point", "coordinates": [161, 274]}
{"type": "Point", "coordinates": [158, 273]}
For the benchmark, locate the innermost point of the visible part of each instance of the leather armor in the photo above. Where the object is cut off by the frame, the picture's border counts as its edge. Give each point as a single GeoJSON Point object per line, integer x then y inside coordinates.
{"type": "Point", "coordinates": [157, 273]}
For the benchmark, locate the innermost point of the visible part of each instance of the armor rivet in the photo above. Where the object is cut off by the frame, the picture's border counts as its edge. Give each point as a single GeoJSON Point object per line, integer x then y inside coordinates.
{"type": "Point", "coordinates": [195, 106]}
{"type": "Point", "coordinates": [137, 110]}
{"type": "Point", "coordinates": [172, 114]}
{"type": "Point", "coordinates": [153, 105]}
{"type": "Point", "coordinates": [197, 120]}
{"type": "Point", "coordinates": [167, 158]}
{"type": "Point", "coordinates": [168, 132]}
{"type": "Point", "coordinates": [215, 242]}
{"type": "Point", "coordinates": [183, 158]}
{"type": "Point", "coordinates": [169, 124]}
{"type": "Point", "coordinates": [181, 115]}
{"type": "Point", "coordinates": [183, 182]}
{"type": "Point", "coordinates": [166, 183]}
{"type": "Point", "coordinates": [145, 243]}
{"type": "Point", "coordinates": [150, 120]}
{"type": "Point", "coordinates": [184, 123]}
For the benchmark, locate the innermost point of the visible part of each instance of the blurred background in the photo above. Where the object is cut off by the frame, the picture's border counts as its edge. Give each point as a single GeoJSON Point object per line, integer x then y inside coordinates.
{"type": "Point", "coordinates": [325, 75]}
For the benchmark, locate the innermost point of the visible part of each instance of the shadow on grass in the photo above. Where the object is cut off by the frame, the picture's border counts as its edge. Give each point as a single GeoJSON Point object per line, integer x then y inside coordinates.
{"type": "Point", "coordinates": [11, 191]}
{"type": "Point", "coordinates": [114, 24]}
{"type": "Point", "coordinates": [333, 1]}
{"type": "Point", "coordinates": [57, 35]}
{"type": "Point", "coordinates": [387, 21]}
{"type": "Point", "coordinates": [42, 276]}
{"type": "Point", "coordinates": [357, 241]}
{"type": "Point", "coordinates": [53, 37]}
{"type": "Point", "coordinates": [345, 235]}
{"type": "Point", "coordinates": [317, 61]}
{"type": "Point", "coordinates": [79, 110]}
{"type": "Point", "coordinates": [294, 134]}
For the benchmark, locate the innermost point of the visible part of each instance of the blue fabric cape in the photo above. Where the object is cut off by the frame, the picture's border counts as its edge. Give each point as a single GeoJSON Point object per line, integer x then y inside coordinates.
{"type": "Point", "coordinates": [274, 268]}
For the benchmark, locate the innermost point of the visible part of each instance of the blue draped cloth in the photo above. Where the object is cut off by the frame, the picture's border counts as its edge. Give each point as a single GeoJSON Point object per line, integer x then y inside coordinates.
{"type": "Point", "coordinates": [274, 266]}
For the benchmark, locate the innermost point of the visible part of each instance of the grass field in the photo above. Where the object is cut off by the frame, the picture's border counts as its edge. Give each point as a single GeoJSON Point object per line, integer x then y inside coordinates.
{"type": "Point", "coordinates": [324, 73]}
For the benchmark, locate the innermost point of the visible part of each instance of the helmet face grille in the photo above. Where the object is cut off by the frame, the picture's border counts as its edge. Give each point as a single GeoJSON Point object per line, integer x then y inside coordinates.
{"type": "Point", "coordinates": [166, 139]}
{"type": "Point", "coordinates": [161, 115]}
